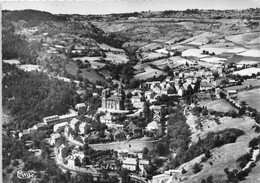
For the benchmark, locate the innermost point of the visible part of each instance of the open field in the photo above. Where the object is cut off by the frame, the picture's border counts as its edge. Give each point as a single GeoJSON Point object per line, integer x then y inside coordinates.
{"type": "Point", "coordinates": [151, 56]}
{"type": "Point", "coordinates": [72, 68]}
{"type": "Point", "coordinates": [251, 53]}
{"type": "Point", "coordinates": [92, 61]}
{"type": "Point", "coordinates": [149, 73]}
{"type": "Point", "coordinates": [214, 60]}
{"type": "Point", "coordinates": [161, 63]}
{"type": "Point", "coordinates": [176, 61]}
{"type": "Point", "coordinates": [211, 66]}
{"type": "Point", "coordinates": [91, 76]}
{"type": "Point", "coordinates": [244, 123]}
{"type": "Point", "coordinates": [193, 53]}
{"type": "Point", "coordinates": [224, 156]}
{"type": "Point", "coordinates": [171, 62]}
{"type": "Point", "coordinates": [251, 97]}
{"type": "Point", "coordinates": [252, 82]}
{"type": "Point", "coordinates": [110, 48]}
{"type": "Point", "coordinates": [247, 39]}
{"type": "Point", "coordinates": [239, 58]}
{"type": "Point", "coordinates": [199, 39]}
{"type": "Point", "coordinates": [117, 58]}
{"type": "Point", "coordinates": [247, 72]}
{"type": "Point", "coordinates": [217, 105]}
{"type": "Point", "coordinates": [248, 62]}
{"type": "Point", "coordinates": [150, 47]}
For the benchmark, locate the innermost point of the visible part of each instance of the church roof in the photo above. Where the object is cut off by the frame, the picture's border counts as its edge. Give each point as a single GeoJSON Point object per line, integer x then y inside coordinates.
{"type": "Point", "coordinates": [113, 97]}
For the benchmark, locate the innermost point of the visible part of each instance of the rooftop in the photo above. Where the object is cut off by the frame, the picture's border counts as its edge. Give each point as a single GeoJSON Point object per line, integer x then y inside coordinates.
{"type": "Point", "coordinates": [131, 161]}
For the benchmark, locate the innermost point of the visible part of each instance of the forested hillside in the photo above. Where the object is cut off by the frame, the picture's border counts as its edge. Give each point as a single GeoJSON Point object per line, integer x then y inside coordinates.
{"type": "Point", "coordinates": [33, 17]}
{"type": "Point", "coordinates": [30, 96]}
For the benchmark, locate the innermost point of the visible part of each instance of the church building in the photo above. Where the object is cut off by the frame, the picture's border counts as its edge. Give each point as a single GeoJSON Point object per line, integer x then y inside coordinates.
{"type": "Point", "coordinates": [115, 101]}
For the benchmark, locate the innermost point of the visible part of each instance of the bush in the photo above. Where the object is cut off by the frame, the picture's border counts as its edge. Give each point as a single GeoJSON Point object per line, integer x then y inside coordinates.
{"type": "Point", "coordinates": [9, 170]}
{"type": "Point", "coordinates": [15, 163]}
{"type": "Point", "coordinates": [257, 158]}
{"type": "Point", "coordinates": [226, 170]}
{"type": "Point", "coordinates": [252, 165]}
{"type": "Point", "coordinates": [196, 168]}
{"type": "Point", "coordinates": [257, 129]}
{"type": "Point", "coordinates": [203, 159]}
{"type": "Point", "coordinates": [210, 179]}
{"type": "Point", "coordinates": [204, 112]}
{"type": "Point", "coordinates": [183, 171]}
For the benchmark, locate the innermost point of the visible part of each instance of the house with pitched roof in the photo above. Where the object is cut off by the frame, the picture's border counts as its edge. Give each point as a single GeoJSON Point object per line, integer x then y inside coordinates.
{"type": "Point", "coordinates": [73, 123]}
{"type": "Point", "coordinates": [136, 101]}
{"type": "Point", "coordinates": [56, 127]}
{"type": "Point", "coordinates": [130, 164]}
{"type": "Point", "coordinates": [204, 86]}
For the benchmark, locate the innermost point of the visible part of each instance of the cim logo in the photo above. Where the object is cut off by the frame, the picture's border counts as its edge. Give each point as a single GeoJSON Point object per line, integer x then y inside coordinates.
{"type": "Point", "coordinates": [26, 175]}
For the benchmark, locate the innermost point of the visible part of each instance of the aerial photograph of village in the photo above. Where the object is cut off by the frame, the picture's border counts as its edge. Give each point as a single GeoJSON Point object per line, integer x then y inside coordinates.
{"type": "Point", "coordinates": [131, 91]}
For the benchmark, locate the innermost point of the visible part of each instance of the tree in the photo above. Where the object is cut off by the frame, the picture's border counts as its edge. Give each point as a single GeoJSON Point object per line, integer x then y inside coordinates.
{"type": "Point", "coordinates": [86, 161]}
{"type": "Point", "coordinates": [166, 68]}
{"type": "Point", "coordinates": [146, 111]}
{"type": "Point", "coordinates": [145, 151]}
{"type": "Point", "coordinates": [242, 111]}
{"type": "Point", "coordinates": [77, 162]}
{"type": "Point", "coordinates": [210, 179]}
{"type": "Point", "coordinates": [204, 112]}
{"type": "Point", "coordinates": [226, 170]}
{"type": "Point", "coordinates": [257, 118]}
{"type": "Point", "coordinates": [254, 142]}
{"type": "Point", "coordinates": [15, 163]}
{"type": "Point", "coordinates": [232, 113]}
{"type": "Point", "coordinates": [160, 149]}
{"type": "Point", "coordinates": [124, 173]}
{"type": "Point", "coordinates": [197, 86]}
{"type": "Point", "coordinates": [222, 95]}
{"type": "Point", "coordinates": [129, 95]}
{"type": "Point", "coordinates": [207, 153]}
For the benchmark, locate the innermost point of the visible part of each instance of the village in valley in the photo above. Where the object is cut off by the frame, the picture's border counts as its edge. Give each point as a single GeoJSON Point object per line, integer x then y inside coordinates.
{"type": "Point", "coordinates": [148, 97]}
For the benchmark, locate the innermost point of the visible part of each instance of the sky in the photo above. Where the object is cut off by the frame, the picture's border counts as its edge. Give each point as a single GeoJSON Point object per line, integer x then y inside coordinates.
{"type": "Point", "coordinates": [123, 6]}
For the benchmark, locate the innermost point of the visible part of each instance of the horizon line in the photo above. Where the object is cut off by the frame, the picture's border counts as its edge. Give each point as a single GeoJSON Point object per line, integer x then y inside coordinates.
{"type": "Point", "coordinates": [203, 9]}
